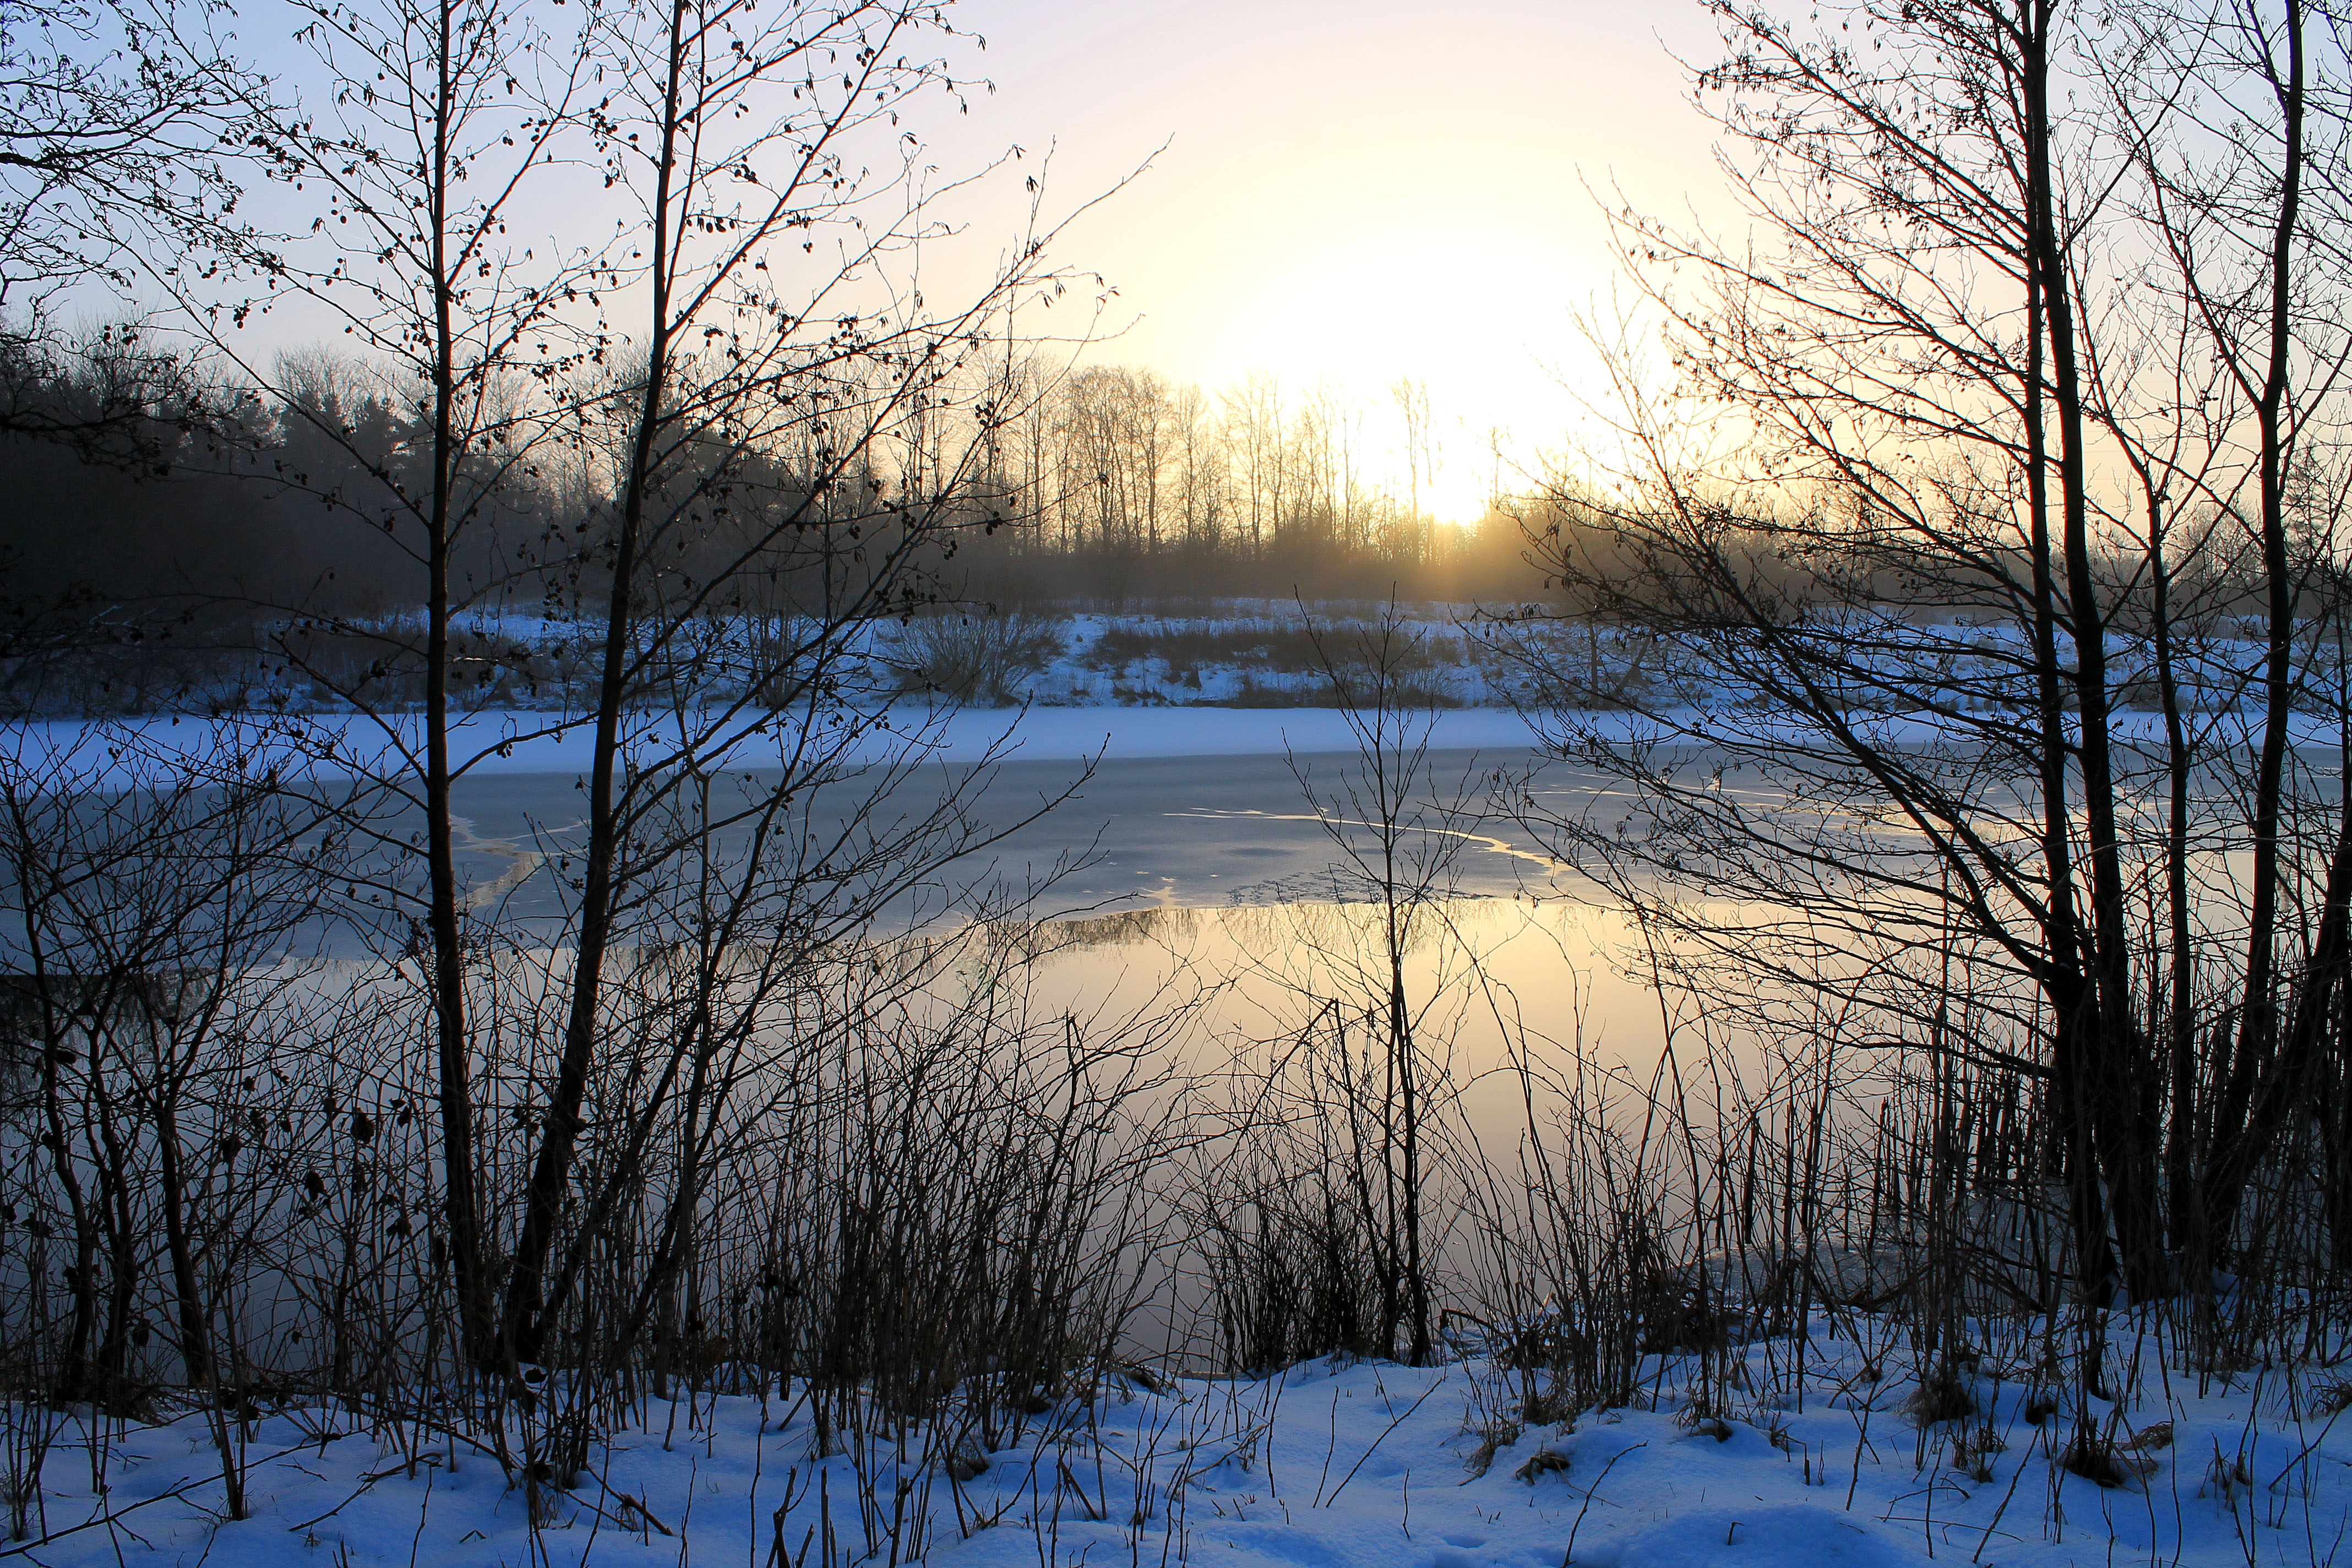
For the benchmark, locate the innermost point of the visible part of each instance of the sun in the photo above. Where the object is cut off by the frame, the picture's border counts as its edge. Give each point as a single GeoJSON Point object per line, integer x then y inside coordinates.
{"type": "Point", "coordinates": [1479, 318]}
{"type": "Point", "coordinates": [1462, 493]}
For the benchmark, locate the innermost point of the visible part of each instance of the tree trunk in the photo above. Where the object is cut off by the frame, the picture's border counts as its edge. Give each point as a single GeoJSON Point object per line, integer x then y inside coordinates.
{"type": "Point", "coordinates": [2258, 1056]}
{"type": "Point", "coordinates": [2118, 1090]}
{"type": "Point", "coordinates": [550, 1170]}
{"type": "Point", "coordinates": [453, 1056]}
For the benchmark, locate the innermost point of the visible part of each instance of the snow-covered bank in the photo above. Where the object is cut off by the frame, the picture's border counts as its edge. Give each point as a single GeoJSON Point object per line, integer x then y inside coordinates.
{"type": "Point", "coordinates": [1331, 1465]}
{"type": "Point", "coordinates": [1249, 654]}
{"type": "Point", "coordinates": [337, 745]}
{"type": "Point", "coordinates": [329, 746]}
{"type": "Point", "coordinates": [1053, 734]}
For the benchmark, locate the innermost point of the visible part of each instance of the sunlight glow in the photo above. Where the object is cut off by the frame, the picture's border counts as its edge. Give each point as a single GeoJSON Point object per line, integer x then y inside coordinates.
{"type": "Point", "coordinates": [1461, 492]}
{"type": "Point", "coordinates": [1370, 306]}
{"type": "Point", "coordinates": [1481, 317]}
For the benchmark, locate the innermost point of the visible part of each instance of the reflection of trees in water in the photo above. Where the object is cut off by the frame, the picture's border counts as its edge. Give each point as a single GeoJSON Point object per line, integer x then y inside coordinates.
{"type": "Point", "coordinates": [1025, 942]}
{"type": "Point", "coordinates": [1334, 935]}
{"type": "Point", "coordinates": [1325, 886]}
{"type": "Point", "coordinates": [1304, 943]}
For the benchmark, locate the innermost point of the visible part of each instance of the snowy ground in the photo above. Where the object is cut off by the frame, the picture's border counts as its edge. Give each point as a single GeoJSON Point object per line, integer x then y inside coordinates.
{"type": "Point", "coordinates": [523, 741]}
{"type": "Point", "coordinates": [1328, 1466]}
{"type": "Point", "coordinates": [1248, 656]}
{"type": "Point", "coordinates": [1263, 655]}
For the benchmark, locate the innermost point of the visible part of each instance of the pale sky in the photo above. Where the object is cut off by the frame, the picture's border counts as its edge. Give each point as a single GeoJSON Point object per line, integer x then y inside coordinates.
{"type": "Point", "coordinates": [1357, 190]}
{"type": "Point", "coordinates": [1361, 191]}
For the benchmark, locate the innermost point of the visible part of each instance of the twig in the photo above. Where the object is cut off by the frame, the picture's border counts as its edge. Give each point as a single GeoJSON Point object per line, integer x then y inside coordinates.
{"type": "Point", "coordinates": [1569, 1556]}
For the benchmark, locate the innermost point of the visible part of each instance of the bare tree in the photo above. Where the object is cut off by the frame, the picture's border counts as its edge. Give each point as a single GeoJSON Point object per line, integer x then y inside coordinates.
{"type": "Point", "coordinates": [2246, 224]}
{"type": "Point", "coordinates": [446, 117]}
{"type": "Point", "coordinates": [125, 127]}
{"type": "Point", "coordinates": [1917, 611]}
{"type": "Point", "coordinates": [1397, 836]}
{"type": "Point", "coordinates": [153, 901]}
{"type": "Point", "coordinates": [748, 355]}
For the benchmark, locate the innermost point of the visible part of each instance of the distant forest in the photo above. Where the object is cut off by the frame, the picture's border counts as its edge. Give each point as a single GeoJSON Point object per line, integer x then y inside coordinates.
{"type": "Point", "coordinates": [1111, 488]}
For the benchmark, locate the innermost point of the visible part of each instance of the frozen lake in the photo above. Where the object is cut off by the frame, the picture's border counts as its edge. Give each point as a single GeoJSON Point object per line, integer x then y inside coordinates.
{"type": "Point", "coordinates": [1207, 880]}
{"type": "Point", "coordinates": [1235, 817]}
{"type": "Point", "coordinates": [1198, 831]}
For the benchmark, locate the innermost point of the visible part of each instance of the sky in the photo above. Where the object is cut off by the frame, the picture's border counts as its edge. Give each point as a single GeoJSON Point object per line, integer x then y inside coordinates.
{"type": "Point", "coordinates": [1357, 191]}
{"type": "Point", "coordinates": [1339, 195]}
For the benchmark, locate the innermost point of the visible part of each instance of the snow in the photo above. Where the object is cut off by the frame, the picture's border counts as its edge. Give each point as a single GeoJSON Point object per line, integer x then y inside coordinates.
{"type": "Point", "coordinates": [1332, 1464]}
{"type": "Point", "coordinates": [337, 745]}
{"type": "Point", "coordinates": [1247, 681]}
{"type": "Point", "coordinates": [1053, 734]}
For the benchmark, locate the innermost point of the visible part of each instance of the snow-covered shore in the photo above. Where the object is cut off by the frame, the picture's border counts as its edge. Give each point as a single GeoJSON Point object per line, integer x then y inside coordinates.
{"type": "Point", "coordinates": [491, 742]}
{"type": "Point", "coordinates": [1329, 1465]}
{"type": "Point", "coordinates": [527, 742]}
{"type": "Point", "coordinates": [1246, 656]}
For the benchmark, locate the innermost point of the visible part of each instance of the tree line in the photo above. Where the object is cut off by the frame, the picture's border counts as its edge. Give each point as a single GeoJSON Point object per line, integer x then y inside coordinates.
{"type": "Point", "coordinates": [1108, 486]}
{"type": "Point", "coordinates": [1118, 479]}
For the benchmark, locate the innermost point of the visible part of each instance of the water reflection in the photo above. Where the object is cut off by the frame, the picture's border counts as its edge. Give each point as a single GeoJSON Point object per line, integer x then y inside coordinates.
{"type": "Point", "coordinates": [1491, 983]}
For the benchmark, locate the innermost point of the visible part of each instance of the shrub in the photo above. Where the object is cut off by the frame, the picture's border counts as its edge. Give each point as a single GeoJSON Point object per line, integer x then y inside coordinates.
{"type": "Point", "coordinates": [975, 656]}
